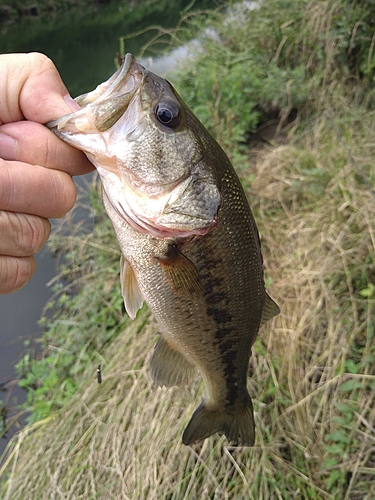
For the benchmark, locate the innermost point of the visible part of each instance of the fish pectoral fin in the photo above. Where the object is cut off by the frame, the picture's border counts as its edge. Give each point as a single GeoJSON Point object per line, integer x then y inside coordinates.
{"type": "Point", "coordinates": [238, 427]}
{"type": "Point", "coordinates": [133, 298]}
{"type": "Point", "coordinates": [270, 309]}
{"type": "Point", "coordinates": [180, 272]}
{"type": "Point", "coordinates": [168, 366]}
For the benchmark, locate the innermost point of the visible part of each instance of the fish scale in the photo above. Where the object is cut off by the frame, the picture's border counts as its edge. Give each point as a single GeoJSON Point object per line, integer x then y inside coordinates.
{"type": "Point", "coordinates": [190, 245]}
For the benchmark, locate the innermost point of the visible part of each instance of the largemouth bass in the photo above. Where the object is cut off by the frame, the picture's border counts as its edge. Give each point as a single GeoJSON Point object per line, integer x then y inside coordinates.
{"type": "Point", "coordinates": [190, 246]}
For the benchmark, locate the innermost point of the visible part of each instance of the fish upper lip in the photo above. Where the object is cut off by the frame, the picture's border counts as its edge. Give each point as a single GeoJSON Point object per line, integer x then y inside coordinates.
{"type": "Point", "coordinates": [109, 87]}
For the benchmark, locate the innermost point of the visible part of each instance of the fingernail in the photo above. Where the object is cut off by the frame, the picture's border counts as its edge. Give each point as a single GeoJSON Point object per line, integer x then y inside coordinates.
{"type": "Point", "coordinates": [71, 103]}
{"type": "Point", "coordinates": [7, 147]}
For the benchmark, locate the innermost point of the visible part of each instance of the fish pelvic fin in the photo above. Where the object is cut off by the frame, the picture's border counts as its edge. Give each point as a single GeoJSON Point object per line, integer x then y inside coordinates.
{"type": "Point", "coordinates": [168, 366]}
{"type": "Point", "coordinates": [270, 309]}
{"type": "Point", "coordinates": [133, 298]}
{"type": "Point", "coordinates": [238, 426]}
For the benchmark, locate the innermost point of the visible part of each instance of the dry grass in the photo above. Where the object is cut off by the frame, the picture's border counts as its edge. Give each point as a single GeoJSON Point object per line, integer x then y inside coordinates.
{"type": "Point", "coordinates": [313, 380]}
{"type": "Point", "coordinates": [321, 258]}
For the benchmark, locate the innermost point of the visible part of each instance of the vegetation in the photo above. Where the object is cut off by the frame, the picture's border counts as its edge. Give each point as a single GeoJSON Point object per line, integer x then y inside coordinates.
{"type": "Point", "coordinates": [303, 70]}
{"type": "Point", "coordinates": [84, 315]}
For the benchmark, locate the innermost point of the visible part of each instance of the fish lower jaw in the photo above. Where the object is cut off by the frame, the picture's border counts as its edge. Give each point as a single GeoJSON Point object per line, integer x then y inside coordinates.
{"type": "Point", "coordinates": [153, 228]}
{"type": "Point", "coordinates": [180, 233]}
{"type": "Point", "coordinates": [150, 226]}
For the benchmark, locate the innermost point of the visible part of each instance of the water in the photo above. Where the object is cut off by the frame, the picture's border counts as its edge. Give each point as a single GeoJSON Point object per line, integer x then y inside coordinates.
{"type": "Point", "coordinates": [83, 45]}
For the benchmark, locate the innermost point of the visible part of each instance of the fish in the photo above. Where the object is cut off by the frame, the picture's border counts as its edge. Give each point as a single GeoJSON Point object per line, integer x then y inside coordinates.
{"type": "Point", "coordinates": [189, 242]}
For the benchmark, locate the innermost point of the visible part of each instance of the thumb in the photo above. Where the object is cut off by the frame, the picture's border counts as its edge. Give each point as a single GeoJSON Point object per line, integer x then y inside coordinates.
{"type": "Point", "coordinates": [31, 88]}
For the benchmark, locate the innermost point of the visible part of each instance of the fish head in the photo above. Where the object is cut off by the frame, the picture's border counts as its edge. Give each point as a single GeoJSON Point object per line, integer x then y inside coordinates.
{"type": "Point", "coordinates": [147, 147]}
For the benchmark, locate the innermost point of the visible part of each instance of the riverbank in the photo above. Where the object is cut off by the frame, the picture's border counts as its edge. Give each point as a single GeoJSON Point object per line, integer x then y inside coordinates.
{"type": "Point", "coordinates": [313, 375]}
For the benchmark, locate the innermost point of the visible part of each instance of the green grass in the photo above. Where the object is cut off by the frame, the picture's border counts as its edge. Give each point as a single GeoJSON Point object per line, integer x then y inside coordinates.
{"type": "Point", "coordinates": [313, 374]}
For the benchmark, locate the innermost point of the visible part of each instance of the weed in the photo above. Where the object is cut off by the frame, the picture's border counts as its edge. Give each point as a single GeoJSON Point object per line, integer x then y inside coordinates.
{"type": "Point", "coordinates": [86, 312]}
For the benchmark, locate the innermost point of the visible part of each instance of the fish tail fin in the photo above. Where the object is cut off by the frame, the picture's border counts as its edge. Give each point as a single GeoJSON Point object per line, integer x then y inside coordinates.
{"type": "Point", "coordinates": [238, 426]}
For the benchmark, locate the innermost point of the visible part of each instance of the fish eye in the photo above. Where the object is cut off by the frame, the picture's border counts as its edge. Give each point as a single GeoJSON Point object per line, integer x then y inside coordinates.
{"type": "Point", "coordinates": [168, 113]}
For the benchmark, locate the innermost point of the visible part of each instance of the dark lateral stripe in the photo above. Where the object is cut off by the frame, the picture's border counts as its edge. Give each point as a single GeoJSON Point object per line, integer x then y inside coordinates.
{"type": "Point", "coordinates": [228, 355]}
{"type": "Point", "coordinates": [228, 358]}
{"type": "Point", "coordinates": [220, 316]}
{"type": "Point", "coordinates": [215, 298]}
{"type": "Point", "coordinates": [222, 333]}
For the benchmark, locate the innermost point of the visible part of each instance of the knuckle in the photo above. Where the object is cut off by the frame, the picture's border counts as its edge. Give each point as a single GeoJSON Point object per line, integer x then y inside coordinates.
{"type": "Point", "coordinates": [15, 272]}
{"type": "Point", "coordinates": [66, 192]}
{"type": "Point", "coordinates": [23, 234]}
{"type": "Point", "coordinates": [34, 234]}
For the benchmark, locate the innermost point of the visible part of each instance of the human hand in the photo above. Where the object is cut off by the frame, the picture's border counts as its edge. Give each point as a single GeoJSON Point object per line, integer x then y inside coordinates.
{"type": "Point", "coordinates": [35, 166]}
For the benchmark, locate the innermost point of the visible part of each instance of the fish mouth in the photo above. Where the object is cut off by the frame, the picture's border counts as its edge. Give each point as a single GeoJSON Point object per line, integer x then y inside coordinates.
{"type": "Point", "coordinates": [103, 107]}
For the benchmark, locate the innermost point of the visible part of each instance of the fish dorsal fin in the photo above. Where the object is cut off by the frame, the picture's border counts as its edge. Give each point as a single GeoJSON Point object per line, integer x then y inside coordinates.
{"type": "Point", "coordinates": [270, 309]}
{"type": "Point", "coordinates": [168, 366]}
{"type": "Point", "coordinates": [131, 293]}
{"type": "Point", "coordinates": [180, 272]}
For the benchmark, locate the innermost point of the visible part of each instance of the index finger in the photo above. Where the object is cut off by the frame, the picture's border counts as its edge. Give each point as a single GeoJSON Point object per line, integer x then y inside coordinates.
{"type": "Point", "coordinates": [31, 142]}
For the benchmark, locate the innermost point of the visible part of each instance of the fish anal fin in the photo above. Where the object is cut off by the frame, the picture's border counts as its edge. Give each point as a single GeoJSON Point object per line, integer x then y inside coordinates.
{"type": "Point", "coordinates": [270, 309]}
{"type": "Point", "coordinates": [168, 366]}
{"type": "Point", "coordinates": [131, 293]}
{"type": "Point", "coordinates": [238, 426]}
{"type": "Point", "coordinates": [180, 272]}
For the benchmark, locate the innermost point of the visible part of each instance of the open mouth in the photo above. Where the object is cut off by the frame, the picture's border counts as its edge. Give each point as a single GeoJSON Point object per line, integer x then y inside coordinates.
{"type": "Point", "coordinates": [104, 106]}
